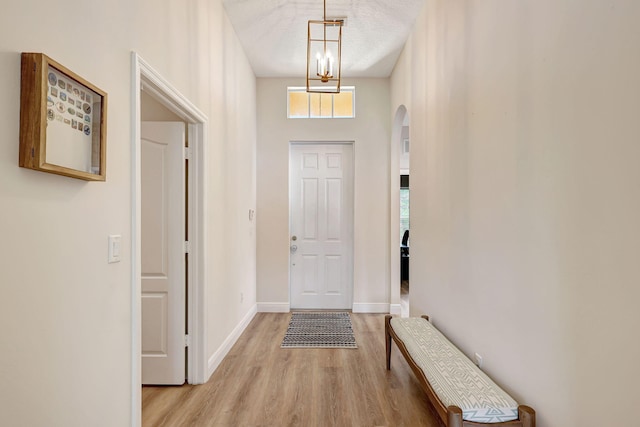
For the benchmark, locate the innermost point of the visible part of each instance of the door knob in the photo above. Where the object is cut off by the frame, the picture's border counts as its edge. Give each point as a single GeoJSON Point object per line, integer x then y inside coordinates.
{"type": "Point", "coordinates": [293, 248]}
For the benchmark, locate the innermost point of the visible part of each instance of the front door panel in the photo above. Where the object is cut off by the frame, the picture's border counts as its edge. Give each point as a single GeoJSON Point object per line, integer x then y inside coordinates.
{"type": "Point", "coordinates": [321, 226]}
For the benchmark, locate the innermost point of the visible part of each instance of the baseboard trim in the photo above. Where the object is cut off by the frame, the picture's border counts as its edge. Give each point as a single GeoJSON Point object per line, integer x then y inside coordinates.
{"type": "Point", "coordinates": [217, 357]}
{"type": "Point", "coordinates": [370, 307]}
{"type": "Point", "coordinates": [273, 307]}
{"type": "Point", "coordinates": [284, 307]}
{"type": "Point", "coordinates": [395, 309]}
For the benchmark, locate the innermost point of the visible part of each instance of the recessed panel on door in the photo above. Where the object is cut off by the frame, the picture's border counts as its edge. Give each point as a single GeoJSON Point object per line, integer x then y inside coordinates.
{"type": "Point", "coordinates": [333, 274]}
{"type": "Point", "coordinates": [153, 200]}
{"type": "Point", "coordinates": [155, 324]}
{"type": "Point", "coordinates": [310, 208]}
{"type": "Point", "coordinates": [334, 208]}
{"type": "Point", "coordinates": [310, 161]}
{"type": "Point", "coordinates": [334, 161]}
{"type": "Point", "coordinates": [310, 274]}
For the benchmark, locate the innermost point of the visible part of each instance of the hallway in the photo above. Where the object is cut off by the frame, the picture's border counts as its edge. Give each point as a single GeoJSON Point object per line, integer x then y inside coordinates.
{"type": "Point", "coordinates": [259, 384]}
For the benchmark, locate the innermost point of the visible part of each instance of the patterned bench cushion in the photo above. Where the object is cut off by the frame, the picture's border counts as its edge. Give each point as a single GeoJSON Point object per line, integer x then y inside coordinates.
{"type": "Point", "coordinates": [453, 377]}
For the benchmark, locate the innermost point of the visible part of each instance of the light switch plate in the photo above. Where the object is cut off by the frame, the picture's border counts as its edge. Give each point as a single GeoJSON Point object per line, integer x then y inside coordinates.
{"type": "Point", "coordinates": [114, 248]}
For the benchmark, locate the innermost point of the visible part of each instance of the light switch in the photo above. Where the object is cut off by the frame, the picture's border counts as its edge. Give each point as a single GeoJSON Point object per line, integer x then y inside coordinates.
{"type": "Point", "coordinates": [114, 248]}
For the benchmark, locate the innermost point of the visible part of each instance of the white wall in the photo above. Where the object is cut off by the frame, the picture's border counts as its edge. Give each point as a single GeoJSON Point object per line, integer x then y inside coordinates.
{"type": "Point", "coordinates": [65, 347]}
{"type": "Point", "coordinates": [153, 111]}
{"type": "Point", "coordinates": [524, 195]}
{"type": "Point", "coordinates": [371, 132]}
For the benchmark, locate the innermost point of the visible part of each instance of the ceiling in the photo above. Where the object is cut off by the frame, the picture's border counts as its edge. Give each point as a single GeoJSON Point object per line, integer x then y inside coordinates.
{"type": "Point", "coordinates": [274, 33]}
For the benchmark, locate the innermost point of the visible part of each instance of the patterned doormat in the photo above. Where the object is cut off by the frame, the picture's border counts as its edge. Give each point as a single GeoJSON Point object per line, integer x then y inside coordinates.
{"type": "Point", "coordinates": [319, 330]}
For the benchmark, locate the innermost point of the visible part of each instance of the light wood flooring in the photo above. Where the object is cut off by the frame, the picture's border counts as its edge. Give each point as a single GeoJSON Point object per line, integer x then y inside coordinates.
{"type": "Point", "coordinates": [260, 384]}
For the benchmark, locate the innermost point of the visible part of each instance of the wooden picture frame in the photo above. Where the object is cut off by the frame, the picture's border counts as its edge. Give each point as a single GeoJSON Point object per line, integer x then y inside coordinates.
{"type": "Point", "coordinates": [63, 121]}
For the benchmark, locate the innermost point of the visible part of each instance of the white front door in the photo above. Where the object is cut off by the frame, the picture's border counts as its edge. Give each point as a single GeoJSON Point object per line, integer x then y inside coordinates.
{"type": "Point", "coordinates": [163, 252]}
{"type": "Point", "coordinates": [321, 226]}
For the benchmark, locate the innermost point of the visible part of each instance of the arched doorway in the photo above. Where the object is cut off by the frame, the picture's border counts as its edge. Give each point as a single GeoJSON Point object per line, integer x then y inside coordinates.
{"type": "Point", "coordinates": [399, 197]}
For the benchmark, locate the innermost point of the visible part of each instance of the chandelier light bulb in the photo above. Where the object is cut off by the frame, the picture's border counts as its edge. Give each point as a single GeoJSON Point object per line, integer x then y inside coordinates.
{"type": "Point", "coordinates": [324, 67]}
{"type": "Point", "coordinates": [324, 39]}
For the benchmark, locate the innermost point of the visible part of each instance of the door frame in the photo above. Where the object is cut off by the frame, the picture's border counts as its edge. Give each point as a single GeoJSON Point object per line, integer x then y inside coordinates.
{"type": "Point", "coordinates": [353, 205]}
{"type": "Point", "coordinates": [145, 78]}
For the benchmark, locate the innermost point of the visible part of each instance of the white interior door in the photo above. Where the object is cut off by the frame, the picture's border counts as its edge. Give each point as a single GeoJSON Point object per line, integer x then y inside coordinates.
{"type": "Point", "coordinates": [163, 252]}
{"type": "Point", "coordinates": [321, 226]}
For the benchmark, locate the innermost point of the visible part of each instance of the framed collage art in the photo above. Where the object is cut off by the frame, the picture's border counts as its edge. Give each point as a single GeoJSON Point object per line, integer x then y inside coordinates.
{"type": "Point", "coordinates": [63, 120]}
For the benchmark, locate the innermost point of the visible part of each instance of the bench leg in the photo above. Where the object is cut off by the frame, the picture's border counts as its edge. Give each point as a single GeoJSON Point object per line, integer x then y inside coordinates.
{"type": "Point", "coordinates": [454, 416]}
{"type": "Point", "coordinates": [527, 415]}
{"type": "Point", "coordinates": [387, 339]}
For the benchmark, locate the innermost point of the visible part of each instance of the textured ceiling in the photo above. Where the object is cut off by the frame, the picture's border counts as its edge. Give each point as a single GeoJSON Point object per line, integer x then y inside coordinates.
{"type": "Point", "coordinates": [274, 33]}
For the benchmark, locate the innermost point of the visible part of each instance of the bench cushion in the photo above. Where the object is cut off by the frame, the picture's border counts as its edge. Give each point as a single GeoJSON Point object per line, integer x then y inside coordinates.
{"type": "Point", "coordinates": [453, 377]}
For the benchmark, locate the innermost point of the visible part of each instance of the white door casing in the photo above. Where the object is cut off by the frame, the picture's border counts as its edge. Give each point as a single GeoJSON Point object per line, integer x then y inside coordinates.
{"type": "Point", "coordinates": [163, 252]}
{"type": "Point", "coordinates": [321, 226]}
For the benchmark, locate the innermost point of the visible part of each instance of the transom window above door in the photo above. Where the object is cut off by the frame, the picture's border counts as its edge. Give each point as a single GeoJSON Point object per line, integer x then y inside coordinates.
{"type": "Point", "coordinates": [303, 105]}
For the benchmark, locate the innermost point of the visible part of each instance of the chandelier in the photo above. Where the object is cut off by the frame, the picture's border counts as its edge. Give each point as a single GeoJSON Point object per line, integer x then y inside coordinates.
{"type": "Point", "coordinates": [324, 40]}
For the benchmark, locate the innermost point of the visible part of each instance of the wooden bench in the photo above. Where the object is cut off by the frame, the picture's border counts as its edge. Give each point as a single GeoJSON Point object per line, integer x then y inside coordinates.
{"type": "Point", "coordinates": [462, 395]}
